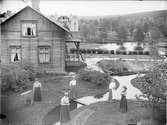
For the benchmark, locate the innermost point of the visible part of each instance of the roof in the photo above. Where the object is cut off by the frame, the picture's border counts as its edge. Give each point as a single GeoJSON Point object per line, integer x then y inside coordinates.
{"type": "Point", "coordinates": [73, 40]}
{"type": "Point", "coordinates": [39, 14]}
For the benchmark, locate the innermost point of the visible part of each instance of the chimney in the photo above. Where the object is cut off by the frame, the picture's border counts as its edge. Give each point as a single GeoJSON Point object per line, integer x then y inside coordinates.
{"type": "Point", "coordinates": [35, 4]}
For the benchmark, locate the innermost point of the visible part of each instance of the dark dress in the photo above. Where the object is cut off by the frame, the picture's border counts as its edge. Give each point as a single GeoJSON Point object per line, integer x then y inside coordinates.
{"type": "Point", "coordinates": [123, 103]}
{"type": "Point", "coordinates": [64, 113]}
{"type": "Point", "coordinates": [37, 94]}
{"type": "Point", "coordinates": [73, 92]}
{"type": "Point", "coordinates": [110, 96]}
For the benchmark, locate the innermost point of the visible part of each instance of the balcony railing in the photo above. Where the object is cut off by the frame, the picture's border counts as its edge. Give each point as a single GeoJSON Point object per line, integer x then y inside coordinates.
{"type": "Point", "coordinates": [72, 57]}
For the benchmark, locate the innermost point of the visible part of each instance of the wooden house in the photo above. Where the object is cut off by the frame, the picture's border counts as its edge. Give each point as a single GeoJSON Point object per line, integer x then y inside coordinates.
{"type": "Point", "coordinates": [31, 37]}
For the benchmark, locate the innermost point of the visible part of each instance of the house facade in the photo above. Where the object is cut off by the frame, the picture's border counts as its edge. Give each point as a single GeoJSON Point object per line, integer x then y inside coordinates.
{"type": "Point", "coordinates": [29, 36]}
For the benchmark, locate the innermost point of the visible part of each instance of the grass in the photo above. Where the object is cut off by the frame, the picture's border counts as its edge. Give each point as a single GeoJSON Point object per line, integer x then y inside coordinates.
{"type": "Point", "coordinates": [109, 114]}
{"type": "Point", "coordinates": [53, 85]}
{"type": "Point", "coordinates": [105, 113]}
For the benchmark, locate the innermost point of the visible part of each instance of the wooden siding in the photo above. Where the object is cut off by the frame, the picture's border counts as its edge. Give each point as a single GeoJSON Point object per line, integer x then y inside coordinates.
{"type": "Point", "coordinates": [48, 34]}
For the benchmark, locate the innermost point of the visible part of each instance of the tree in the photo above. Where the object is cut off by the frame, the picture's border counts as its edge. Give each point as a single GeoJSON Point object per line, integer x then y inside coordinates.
{"type": "Point", "coordinates": [85, 31]}
{"type": "Point", "coordinates": [122, 34]}
{"type": "Point", "coordinates": [115, 25]}
{"type": "Point", "coordinates": [163, 29]}
{"type": "Point", "coordinates": [139, 35]}
{"type": "Point", "coordinates": [146, 27]}
{"type": "Point", "coordinates": [131, 29]}
{"type": "Point", "coordinates": [103, 33]}
{"type": "Point", "coordinates": [155, 33]}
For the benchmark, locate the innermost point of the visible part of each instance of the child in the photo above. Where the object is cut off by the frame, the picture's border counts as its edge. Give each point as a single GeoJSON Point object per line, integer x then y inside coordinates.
{"type": "Point", "coordinates": [123, 102]}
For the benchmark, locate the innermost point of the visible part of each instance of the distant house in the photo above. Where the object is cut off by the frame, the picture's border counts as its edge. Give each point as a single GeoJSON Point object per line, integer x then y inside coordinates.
{"type": "Point", "coordinates": [74, 24]}
{"type": "Point", "coordinates": [64, 21]}
{"type": "Point", "coordinates": [31, 37]}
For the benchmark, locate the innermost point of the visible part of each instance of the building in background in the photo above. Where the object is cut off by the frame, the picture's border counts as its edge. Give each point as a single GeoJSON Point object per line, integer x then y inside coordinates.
{"type": "Point", "coordinates": [74, 24]}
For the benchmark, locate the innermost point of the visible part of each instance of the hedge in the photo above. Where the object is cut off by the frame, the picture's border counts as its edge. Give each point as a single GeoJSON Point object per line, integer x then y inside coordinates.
{"type": "Point", "coordinates": [95, 77]}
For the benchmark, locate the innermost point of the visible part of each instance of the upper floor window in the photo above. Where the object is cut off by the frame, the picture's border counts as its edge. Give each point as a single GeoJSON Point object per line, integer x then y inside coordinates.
{"type": "Point", "coordinates": [29, 29]}
{"type": "Point", "coordinates": [15, 54]}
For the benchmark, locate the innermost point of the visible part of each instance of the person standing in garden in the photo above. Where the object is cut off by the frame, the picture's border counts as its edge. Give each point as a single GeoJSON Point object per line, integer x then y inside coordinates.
{"type": "Point", "coordinates": [123, 101]}
{"type": "Point", "coordinates": [64, 109]}
{"type": "Point", "coordinates": [37, 97]}
{"type": "Point", "coordinates": [73, 89]}
{"type": "Point", "coordinates": [112, 86]}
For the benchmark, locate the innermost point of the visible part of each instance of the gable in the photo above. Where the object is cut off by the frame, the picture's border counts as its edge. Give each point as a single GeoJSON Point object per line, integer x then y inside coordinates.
{"type": "Point", "coordinates": [30, 14]}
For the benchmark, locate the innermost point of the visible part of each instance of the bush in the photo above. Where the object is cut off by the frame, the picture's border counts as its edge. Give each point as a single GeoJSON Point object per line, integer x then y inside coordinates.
{"type": "Point", "coordinates": [97, 78]}
{"type": "Point", "coordinates": [112, 52]}
{"type": "Point", "coordinates": [30, 69]}
{"type": "Point", "coordinates": [153, 84]}
{"type": "Point", "coordinates": [17, 76]}
{"type": "Point", "coordinates": [116, 67]}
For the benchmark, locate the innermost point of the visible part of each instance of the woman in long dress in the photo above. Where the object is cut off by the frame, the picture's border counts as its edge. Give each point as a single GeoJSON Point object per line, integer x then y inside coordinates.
{"type": "Point", "coordinates": [64, 109]}
{"type": "Point", "coordinates": [123, 102]}
{"type": "Point", "coordinates": [73, 91]}
{"type": "Point", "coordinates": [37, 97]}
{"type": "Point", "coordinates": [112, 86]}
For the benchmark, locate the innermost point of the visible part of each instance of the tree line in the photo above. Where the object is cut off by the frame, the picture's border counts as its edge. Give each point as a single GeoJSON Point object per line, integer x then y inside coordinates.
{"type": "Point", "coordinates": [145, 27]}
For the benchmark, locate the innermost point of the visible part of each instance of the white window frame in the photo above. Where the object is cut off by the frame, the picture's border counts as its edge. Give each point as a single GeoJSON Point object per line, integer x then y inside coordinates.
{"type": "Point", "coordinates": [13, 51]}
{"type": "Point", "coordinates": [44, 56]}
{"type": "Point", "coordinates": [28, 29]}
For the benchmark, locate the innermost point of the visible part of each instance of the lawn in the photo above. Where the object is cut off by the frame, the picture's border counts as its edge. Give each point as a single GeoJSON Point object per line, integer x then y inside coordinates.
{"type": "Point", "coordinates": [53, 85]}
{"type": "Point", "coordinates": [109, 114]}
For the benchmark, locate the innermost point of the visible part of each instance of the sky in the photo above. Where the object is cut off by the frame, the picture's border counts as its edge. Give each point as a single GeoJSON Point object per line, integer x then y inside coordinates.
{"type": "Point", "coordinates": [88, 8]}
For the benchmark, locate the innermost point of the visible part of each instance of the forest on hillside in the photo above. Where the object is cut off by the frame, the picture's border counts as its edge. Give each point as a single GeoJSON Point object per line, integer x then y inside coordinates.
{"type": "Point", "coordinates": [147, 26]}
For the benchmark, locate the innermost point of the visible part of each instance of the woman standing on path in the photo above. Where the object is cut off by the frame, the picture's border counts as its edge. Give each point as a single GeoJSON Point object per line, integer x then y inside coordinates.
{"type": "Point", "coordinates": [37, 97]}
{"type": "Point", "coordinates": [112, 86]}
{"type": "Point", "coordinates": [73, 91]}
{"type": "Point", "coordinates": [123, 102]}
{"type": "Point", "coordinates": [64, 109]}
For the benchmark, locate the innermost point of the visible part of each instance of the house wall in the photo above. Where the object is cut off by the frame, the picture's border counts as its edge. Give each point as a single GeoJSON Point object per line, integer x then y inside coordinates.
{"type": "Point", "coordinates": [48, 34]}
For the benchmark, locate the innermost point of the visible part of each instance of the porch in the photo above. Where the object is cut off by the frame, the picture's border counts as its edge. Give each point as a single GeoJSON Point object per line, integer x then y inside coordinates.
{"type": "Point", "coordinates": [74, 61]}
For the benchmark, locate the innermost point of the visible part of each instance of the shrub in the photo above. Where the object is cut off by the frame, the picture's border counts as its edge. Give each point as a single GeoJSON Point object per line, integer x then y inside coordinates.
{"type": "Point", "coordinates": [116, 67]}
{"type": "Point", "coordinates": [112, 52]}
{"type": "Point", "coordinates": [135, 52]}
{"type": "Point", "coordinates": [17, 76]}
{"type": "Point", "coordinates": [153, 84]}
{"type": "Point", "coordinates": [97, 78]}
{"type": "Point", "coordinates": [30, 69]}
{"type": "Point", "coordinates": [7, 78]}
{"type": "Point", "coordinates": [140, 52]}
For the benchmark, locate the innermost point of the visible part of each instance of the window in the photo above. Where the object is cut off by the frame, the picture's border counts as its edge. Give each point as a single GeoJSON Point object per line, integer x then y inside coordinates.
{"type": "Point", "coordinates": [29, 29]}
{"type": "Point", "coordinates": [15, 54]}
{"type": "Point", "coordinates": [44, 54]}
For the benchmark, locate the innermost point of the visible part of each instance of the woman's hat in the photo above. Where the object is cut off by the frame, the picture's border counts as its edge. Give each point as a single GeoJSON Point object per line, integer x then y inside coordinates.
{"type": "Point", "coordinates": [72, 74]}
